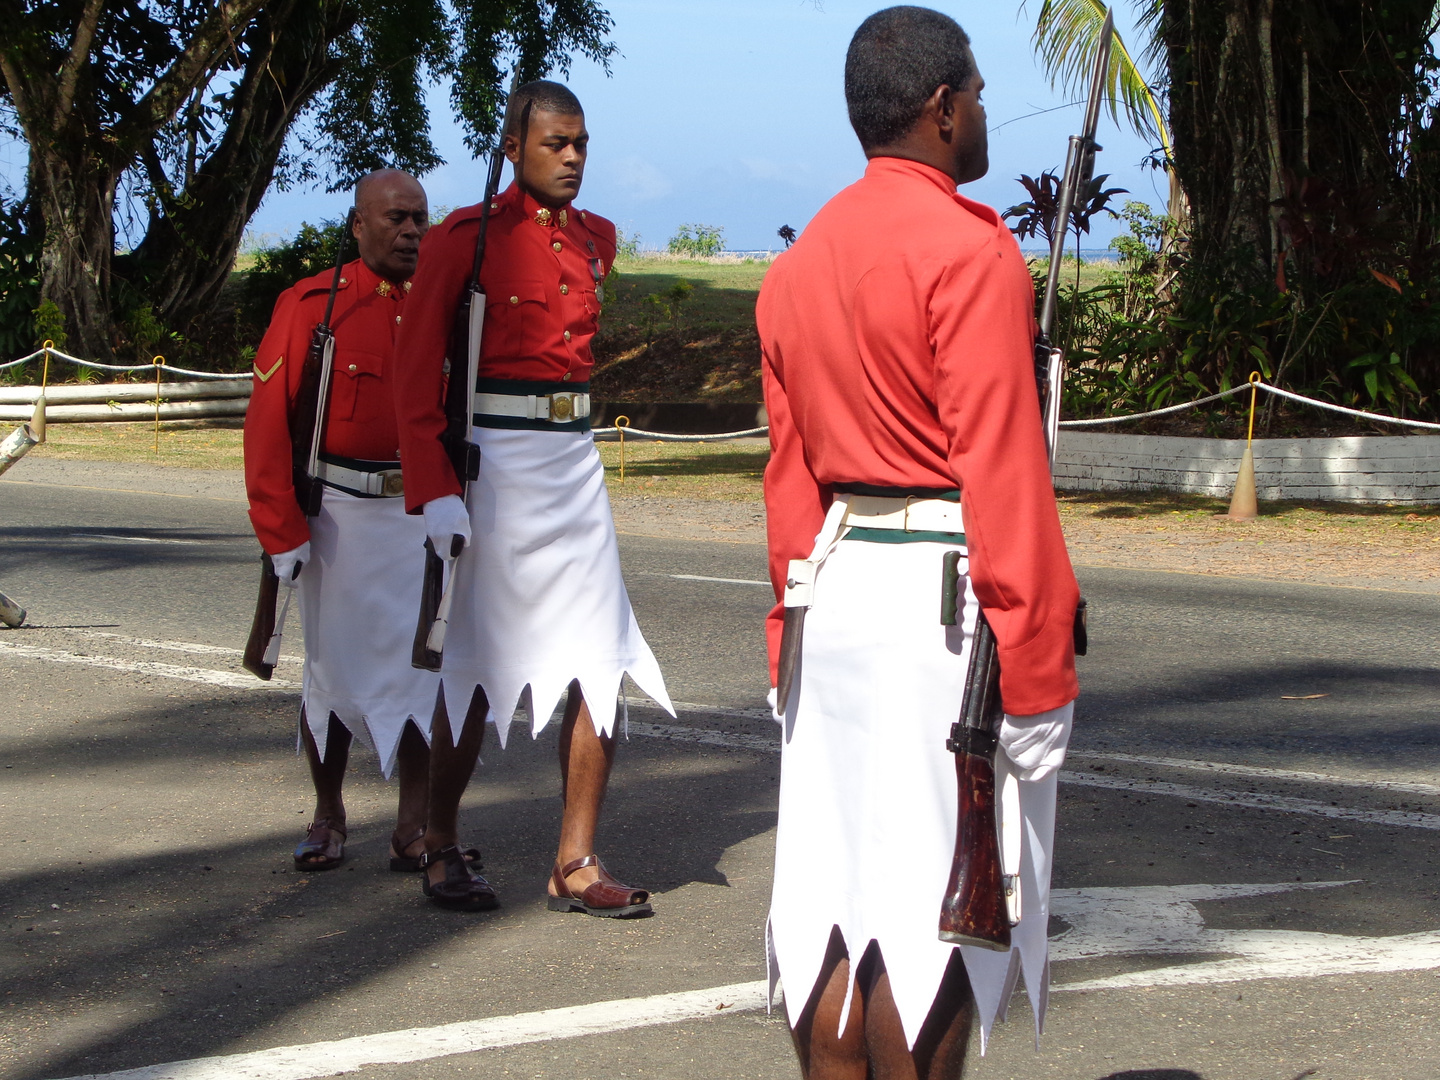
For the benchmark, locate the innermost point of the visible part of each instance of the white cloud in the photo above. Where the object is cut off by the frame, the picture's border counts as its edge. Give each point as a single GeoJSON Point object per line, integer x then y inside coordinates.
{"type": "Point", "coordinates": [640, 180]}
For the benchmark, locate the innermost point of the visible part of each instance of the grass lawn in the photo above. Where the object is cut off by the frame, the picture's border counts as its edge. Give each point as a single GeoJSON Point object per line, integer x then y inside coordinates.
{"type": "Point", "coordinates": [186, 445]}
{"type": "Point", "coordinates": [655, 345]}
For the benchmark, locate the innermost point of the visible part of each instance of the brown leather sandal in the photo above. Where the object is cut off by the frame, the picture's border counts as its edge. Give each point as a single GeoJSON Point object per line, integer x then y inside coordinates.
{"type": "Point", "coordinates": [408, 864]}
{"type": "Point", "coordinates": [461, 890]}
{"type": "Point", "coordinates": [606, 898]}
{"type": "Point", "coordinates": [323, 847]}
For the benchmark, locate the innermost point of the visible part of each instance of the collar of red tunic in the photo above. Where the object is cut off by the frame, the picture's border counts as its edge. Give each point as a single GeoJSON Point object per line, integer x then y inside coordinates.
{"type": "Point", "coordinates": [367, 282]}
{"type": "Point", "coordinates": [888, 168]}
{"type": "Point", "coordinates": [552, 216]}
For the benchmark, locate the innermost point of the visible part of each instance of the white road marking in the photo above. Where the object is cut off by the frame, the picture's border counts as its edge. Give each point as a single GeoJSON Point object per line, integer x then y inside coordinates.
{"type": "Point", "coordinates": [425, 1044]}
{"type": "Point", "coordinates": [1415, 787]}
{"type": "Point", "coordinates": [1137, 921]}
{"type": "Point", "coordinates": [1163, 919]}
{"type": "Point", "coordinates": [1287, 804]}
{"type": "Point", "coordinates": [233, 680]}
{"type": "Point", "coordinates": [721, 580]}
{"type": "Point", "coordinates": [179, 646]}
{"type": "Point", "coordinates": [1256, 800]}
{"type": "Point", "coordinates": [134, 539]}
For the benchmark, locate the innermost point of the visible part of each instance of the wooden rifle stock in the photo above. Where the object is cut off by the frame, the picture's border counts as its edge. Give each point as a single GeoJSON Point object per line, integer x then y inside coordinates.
{"type": "Point", "coordinates": [262, 627]}
{"type": "Point", "coordinates": [462, 363]}
{"type": "Point", "coordinates": [306, 422]}
{"type": "Point", "coordinates": [974, 910]}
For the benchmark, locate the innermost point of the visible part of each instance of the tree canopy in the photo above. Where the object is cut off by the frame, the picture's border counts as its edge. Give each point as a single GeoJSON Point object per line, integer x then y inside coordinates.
{"type": "Point", "coordinates": [178, 115]}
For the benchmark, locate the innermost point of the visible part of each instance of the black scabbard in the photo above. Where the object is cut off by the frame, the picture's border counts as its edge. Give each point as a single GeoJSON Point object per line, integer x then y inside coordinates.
{"type": "Point", "coordinates": [421, 656]}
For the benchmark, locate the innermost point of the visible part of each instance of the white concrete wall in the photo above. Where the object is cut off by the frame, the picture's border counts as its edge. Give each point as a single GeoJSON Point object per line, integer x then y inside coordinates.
{"type": "Point", "coordinates": [1364, 469]}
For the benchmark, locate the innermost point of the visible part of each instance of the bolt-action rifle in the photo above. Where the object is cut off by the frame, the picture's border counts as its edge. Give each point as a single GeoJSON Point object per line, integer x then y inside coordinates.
{"type": "Point", "coordinates": [307, 416]}
{"type": "Point", "coordinates": [462, 365]}
{"type": "Point", "coordinates": [982, 901]}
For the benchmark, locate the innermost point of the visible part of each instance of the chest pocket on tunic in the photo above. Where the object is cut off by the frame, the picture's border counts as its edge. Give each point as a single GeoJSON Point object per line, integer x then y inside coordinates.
{"type": "Point", "coordinates": [355, 389]}
{"type": "Point", "coordinates": [517, 316]}
{"type": "Point", "coordinates": [591, 303]}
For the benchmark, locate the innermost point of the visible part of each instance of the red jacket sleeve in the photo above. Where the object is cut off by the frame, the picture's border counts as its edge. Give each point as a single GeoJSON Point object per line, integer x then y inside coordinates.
{"type": "Point", "coordinates": [795, 502]}
{"type": "Point", "coordinates": [445, 261]}
{"type": "Point", "coordinates": [981, 323]}
{"type": "Point", "coordinates": [269, 484]}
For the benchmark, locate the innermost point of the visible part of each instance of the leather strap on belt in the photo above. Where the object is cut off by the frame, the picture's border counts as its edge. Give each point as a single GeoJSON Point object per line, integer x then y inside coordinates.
{"type": "Point", "coordinates": [380, 483]}
{"type": "Point", "coordinates": [907, 515]}
{"type": "Point", "coordinates": [558, 408]}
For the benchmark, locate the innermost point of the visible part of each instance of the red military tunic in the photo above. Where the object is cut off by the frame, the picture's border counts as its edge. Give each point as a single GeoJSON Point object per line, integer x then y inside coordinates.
{"type": "Point", "coordinates": [366, 320]}
{"type": "Point", "coordinates": [541, 276]}
{"type": "Point", "coordinates": [897, 351]}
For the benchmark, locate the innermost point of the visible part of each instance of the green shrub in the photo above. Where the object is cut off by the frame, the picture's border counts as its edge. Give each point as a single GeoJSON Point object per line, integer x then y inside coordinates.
{"type": "Point", "coordinates": [277, 268]}
{"type": "Point", "coordinates": [697, 241]}
{"type": "Point", "coordinates": [20, 286]}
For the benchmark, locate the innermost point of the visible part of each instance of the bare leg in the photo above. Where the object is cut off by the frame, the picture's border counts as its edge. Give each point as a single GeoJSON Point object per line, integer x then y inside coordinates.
{"type": "Point", "coordinates": [825, 1052]}
{"type": "Point", "coordinates": [585, 761]}
{"type": "Point", "coordinates": [328, 776]}
{"type": "Point", "coordinates": [451, 765]}
{"type": "Point", "coordinates": [412, 763]}
{"type": "Point", "coordinates": [873, 1043]}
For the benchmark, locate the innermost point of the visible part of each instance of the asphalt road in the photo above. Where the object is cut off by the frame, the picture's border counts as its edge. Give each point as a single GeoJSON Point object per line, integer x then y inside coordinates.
{"type": "Point", "coordinates": [1245, 882]}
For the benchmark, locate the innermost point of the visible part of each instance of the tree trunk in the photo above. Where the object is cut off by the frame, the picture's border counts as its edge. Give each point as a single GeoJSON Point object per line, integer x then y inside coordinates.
{"type": "Point", "coordinates": [191, 245]}
{"type": "Point", "coordinates": [75, 200]}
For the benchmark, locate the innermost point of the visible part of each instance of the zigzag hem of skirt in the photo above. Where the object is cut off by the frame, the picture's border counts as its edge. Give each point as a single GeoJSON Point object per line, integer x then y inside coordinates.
{"type": "Point", "coordinates": [377, 723]}
{"type": "Point", "coordinates": [537, 697]}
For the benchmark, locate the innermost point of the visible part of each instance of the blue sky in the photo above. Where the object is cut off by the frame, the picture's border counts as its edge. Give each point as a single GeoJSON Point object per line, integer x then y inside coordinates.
{"type": "Point", "coordinates": [732, 113]}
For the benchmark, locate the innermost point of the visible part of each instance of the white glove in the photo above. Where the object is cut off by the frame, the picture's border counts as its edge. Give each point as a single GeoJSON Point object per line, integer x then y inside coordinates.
{"type": "Point", "coordinates": [446, 517]}
{"type": "Point", "coordinates": [288, 564]}
{"type": "Point", "coordinates": [1036, 744]}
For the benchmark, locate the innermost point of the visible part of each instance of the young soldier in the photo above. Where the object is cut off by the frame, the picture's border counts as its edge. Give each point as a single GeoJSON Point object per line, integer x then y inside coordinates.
{"type": "Point", "coordinates": [357, 565]}
{"type": "Point", "coordinates": [540, 607]}
{"type": "Point", "coordinates": [897, 364]}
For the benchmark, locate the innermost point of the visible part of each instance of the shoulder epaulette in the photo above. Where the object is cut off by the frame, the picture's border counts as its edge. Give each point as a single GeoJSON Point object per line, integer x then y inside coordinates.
{"type": "Point", "coordinates": [320, 283]}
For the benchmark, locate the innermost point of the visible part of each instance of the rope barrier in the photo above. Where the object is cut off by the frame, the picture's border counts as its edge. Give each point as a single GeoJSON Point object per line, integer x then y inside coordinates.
{"type": "Point", "coordinates": [97, 366]}
{"type": "Point", "coordinates": [1257, 383]}
{"type": "Point", "coordinates": [609, 433]}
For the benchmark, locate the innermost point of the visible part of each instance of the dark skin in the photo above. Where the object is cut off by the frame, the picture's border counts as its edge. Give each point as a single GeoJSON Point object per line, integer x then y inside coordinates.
{"type": "Point", "coordinates": [556, 145]}
{"type": "Point", "coordinates": [553, 167]}
{"type": "Point", "coordinates": [950, 135]}
{"type": "Point", "coordinates": [391, 217]}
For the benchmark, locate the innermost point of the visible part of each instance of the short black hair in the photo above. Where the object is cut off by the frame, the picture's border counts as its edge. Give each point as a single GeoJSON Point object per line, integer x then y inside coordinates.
{"type": "Point", "coordinates": [543, 96]}
{"type": "Point", "coordinates": [896, 60]}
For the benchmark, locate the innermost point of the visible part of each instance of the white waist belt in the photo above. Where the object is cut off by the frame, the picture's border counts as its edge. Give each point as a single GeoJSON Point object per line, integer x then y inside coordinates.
{"type": "Point", "coordinates": [910, 514]}
{"type": "Point", "coordinates": [558, 408]}
{"type": "Point", "coordinates": [386, 482]}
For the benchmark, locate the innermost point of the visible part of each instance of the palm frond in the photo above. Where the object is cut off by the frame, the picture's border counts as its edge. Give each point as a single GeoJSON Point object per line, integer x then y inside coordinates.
{"type": "Point", "coordinates": [1067, 38]}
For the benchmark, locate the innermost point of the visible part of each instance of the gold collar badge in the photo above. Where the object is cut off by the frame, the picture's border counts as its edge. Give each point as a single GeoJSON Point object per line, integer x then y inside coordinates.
{"type": "Point", "coordinates": [542, 216]}
{"type": "Point", "coordinates": [383, 288]}
{"type": "Point", "coordinates": [564, 219]}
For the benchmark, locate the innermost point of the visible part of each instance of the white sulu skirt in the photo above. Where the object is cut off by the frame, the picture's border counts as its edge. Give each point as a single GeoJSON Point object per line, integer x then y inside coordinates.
{"type": "Point", "coordinates": [539, 601]}
{"type": "Point", "coordinates": [358, 597]}
{"type": "Point", "coordinates": [866, 829]}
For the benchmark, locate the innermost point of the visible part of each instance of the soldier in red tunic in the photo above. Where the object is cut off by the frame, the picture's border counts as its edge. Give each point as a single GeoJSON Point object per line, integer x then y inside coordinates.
{"type": "Point", "coordinates": [357, 564]}
{"type": "Point", "coordinates": [905, 428]}
{"type": "Point", "coordinates": [540, 608]}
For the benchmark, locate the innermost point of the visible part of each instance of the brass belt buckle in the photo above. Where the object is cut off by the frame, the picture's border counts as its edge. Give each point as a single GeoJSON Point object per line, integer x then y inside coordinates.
{"type": "Point", "coordinates": [562, 407]}
{"type": "Point", "coordinates": [392, 483]}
